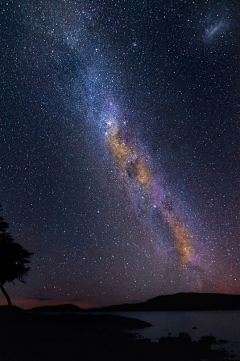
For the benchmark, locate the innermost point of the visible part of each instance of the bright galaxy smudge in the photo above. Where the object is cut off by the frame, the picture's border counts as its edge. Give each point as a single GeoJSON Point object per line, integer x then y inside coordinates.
{"type": "Point", "coordinates": [214, 30]}
{"type": "Point", "coordinates": [216, 24]}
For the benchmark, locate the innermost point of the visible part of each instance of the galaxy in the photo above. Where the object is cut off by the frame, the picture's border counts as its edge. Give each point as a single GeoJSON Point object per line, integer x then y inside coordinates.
{"type": "Point", "coordinates": [120, 148]}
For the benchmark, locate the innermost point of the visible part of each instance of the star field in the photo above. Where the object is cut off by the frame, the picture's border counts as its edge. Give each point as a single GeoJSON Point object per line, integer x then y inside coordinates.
{"type": "Point", "coordinates": [119, 161]}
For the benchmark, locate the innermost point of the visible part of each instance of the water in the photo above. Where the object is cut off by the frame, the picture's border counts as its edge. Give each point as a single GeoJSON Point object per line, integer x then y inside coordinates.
{"type": "Point", "coordinates": [223, 325]}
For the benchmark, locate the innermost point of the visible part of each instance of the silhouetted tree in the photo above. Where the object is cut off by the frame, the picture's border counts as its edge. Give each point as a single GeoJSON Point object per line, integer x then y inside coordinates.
{"type": "Point", "coordinates": [12, 259]}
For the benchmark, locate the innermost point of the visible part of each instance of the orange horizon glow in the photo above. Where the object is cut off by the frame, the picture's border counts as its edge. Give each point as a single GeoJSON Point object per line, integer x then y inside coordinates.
{"type": "Point", "coordinates": [31, 303]}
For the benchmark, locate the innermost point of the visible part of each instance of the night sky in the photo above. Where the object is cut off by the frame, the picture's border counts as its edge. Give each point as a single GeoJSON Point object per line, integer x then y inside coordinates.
{"type": "Point", "coordinates": [120, 147]}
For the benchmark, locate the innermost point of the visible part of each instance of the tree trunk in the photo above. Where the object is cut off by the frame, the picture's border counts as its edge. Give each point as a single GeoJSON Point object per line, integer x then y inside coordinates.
{"type": "Point", "coordinates": [6, 295]}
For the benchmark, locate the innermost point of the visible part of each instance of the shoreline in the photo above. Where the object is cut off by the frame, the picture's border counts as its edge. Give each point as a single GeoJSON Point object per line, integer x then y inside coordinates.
{"type": "Point", "coordinates": [33, 335]}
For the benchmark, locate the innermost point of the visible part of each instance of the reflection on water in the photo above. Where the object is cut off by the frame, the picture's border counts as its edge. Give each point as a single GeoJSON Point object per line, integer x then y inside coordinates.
{"type": "Point", "coordinates": [223, 325]}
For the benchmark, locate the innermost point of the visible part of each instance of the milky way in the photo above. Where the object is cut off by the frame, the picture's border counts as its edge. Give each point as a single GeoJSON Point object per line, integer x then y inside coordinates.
{"type": "Point", "coordinates": [132, 165]}
{"type": "Point", "coordinates": [120, 148]}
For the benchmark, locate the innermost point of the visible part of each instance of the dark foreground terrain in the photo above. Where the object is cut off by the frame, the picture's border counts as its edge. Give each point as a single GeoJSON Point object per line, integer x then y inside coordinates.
{"type": "Point", "coordinates": [34, 336]}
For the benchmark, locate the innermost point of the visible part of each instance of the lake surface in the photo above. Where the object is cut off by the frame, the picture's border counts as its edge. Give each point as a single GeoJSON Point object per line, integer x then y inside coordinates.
{"type": "Point", "coordinates": [223, 325]}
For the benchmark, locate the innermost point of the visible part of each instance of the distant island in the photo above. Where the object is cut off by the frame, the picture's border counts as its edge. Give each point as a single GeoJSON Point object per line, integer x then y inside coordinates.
{"type": "Point", "coordinates": [182, 302]}
{"type": "Point", "coordinates": [176, 302]}
{"type": "Point", "coordinates": [59, 308]}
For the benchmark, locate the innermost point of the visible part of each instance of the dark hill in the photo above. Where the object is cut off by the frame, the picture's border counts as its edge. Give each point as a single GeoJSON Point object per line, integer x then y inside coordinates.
{"type": "Point", "coordinates": [182, 302]}
{"type": "Point", "coordinates": [59, 308]}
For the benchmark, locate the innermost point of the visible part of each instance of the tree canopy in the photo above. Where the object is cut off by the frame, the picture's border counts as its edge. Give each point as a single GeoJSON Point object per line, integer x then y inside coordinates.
{"type": "Point", "coordinates": [13, 258]}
